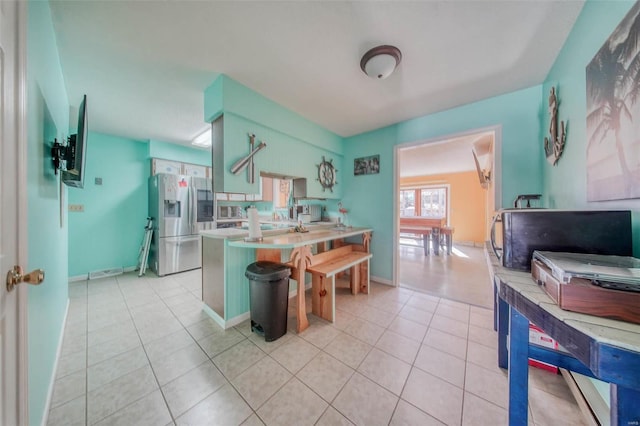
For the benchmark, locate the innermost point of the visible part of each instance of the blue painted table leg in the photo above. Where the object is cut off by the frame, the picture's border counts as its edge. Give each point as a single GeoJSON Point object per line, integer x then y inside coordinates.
{"type": "Point", "coordinates": [625, 406]}
{"type": "Point", "coordinates": [503, 331]}
{"type": "Point", "coordinates": [518, 368]}
{"type": "Point", "coordinates": [495, 306]}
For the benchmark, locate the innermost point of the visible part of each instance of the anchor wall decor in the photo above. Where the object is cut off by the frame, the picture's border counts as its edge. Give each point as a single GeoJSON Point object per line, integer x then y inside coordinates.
{"type": "Point", "coordinates": [554, 145]}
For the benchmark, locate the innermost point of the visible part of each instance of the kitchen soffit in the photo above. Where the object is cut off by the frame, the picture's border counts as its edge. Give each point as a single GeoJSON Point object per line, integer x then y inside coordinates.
{"type": "Point", "coordinates": [153, 60]}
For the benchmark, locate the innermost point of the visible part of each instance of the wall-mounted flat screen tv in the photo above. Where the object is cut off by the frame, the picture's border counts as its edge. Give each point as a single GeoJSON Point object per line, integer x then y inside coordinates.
{"type": "Point", "coordinates": [77, 150]}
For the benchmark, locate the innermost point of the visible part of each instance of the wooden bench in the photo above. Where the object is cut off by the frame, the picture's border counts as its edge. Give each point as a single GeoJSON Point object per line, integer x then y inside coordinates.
{"type": "Point", "coordinates": [323, 269]}
{"type": "Point", "coordinates": [446, 232]}
{"type": "Point", "coordinates": [419, 230]}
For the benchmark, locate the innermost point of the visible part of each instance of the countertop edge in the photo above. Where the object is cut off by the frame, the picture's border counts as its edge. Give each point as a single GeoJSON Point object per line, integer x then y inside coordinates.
{"type": "Point", "coordinates": [299, 239]}
{"type": "Point", "coordinates": [236, 233]}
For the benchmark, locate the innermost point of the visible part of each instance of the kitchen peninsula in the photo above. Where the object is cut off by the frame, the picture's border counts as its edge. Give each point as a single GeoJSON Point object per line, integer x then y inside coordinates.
{"type": "Point", "coordinates": [226, 255]}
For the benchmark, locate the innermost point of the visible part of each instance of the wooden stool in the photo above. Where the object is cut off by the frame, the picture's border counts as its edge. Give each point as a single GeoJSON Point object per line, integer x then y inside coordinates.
{"type": "Point", "coordinates": [447, 234]}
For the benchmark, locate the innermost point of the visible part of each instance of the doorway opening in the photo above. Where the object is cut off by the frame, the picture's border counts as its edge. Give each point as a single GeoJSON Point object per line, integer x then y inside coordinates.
{"type": "Point", "coordinates": [447, 190]}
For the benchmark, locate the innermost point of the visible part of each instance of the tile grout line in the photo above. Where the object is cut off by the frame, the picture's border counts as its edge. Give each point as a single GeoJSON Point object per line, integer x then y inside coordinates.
{"type": "Point", "coordinates": [86, 371]}
{"type": "Point", "coordinates": [355, 370]}
{"type": "Point", "coordinates": [415, 357]}
{"type": "Point", "coordinates": [464, 377]}
{"type": "Point", "coordinates": [147, 355]}
{"type": "Point", "coordinates": [223, 375]}
{"type": "Point", "coordinates": [365, 302]}
{"type": "Point", "coordinates": [210, 359]}
{"type": "Point", "coordinates": [173, 418]}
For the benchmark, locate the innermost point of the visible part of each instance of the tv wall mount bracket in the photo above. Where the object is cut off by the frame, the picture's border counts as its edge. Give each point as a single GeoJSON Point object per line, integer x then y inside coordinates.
{"type": "Point", "coordinates": [61, 153]}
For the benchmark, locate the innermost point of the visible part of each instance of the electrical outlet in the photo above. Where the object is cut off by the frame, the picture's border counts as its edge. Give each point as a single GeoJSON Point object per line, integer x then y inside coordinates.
{"type": "Point", "coordinates": [76, 207]}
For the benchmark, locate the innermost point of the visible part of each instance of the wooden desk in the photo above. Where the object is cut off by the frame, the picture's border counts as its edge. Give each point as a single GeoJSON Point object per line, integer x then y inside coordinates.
{"type": "Point", "coordinates": [603, 348]}
{"type": "Point", "coordinates": [301, 256]}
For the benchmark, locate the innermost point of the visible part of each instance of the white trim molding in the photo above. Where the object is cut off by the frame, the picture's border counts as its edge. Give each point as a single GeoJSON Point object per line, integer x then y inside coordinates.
{"type": "Point", "coordinates": [54, 374]}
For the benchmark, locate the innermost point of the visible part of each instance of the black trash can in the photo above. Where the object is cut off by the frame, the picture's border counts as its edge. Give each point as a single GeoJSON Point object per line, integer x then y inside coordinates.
{"type": "Point", "coordinates": [269, 297]}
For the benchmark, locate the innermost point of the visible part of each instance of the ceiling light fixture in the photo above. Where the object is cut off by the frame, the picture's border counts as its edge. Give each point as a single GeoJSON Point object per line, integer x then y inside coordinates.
{"type": "Point", "coordinates": [381, 61]}
{"type": "Point", "coordinates": [203, 139]}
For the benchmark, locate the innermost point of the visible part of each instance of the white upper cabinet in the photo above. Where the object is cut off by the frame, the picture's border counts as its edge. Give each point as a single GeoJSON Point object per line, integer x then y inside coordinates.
{"type": "Point", "coordinates": [159, 165]}
{"type": "Point", "coordinates": [195, 170]}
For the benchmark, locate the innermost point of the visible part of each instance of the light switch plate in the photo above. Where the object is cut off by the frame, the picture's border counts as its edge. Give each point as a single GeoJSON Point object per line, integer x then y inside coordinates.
{"type": "Point", "coordinates": [76, 207]}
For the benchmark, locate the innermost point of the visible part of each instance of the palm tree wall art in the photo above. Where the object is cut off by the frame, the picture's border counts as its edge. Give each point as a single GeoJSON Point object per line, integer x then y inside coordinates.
{"type": "Point", "coordinates": [613, 114]}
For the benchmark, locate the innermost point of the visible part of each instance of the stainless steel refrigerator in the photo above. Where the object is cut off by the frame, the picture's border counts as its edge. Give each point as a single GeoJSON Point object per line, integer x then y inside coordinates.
{"type": "Point", "coordinates": [181, 206]}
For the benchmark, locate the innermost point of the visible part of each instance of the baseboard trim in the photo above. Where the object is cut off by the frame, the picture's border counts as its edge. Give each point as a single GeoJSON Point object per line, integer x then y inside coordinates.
{"type": "Point", "coordinates": [232, 322]}
{"type": "Point", "coordinates": [52, 380]}
{"type": "Point", "coordinates": [592, 406]}
{"type": "Point", "coordinates": [214, 316]}
{"type": "Point", "coordinates": [83, 277]}
{"type": "Point", "coordinates": [229, 323]}
{"type": "Point", "coordinates": [381, 281]}
{"type": "Point", "coordinates": [237, 320]}
{"type": "Point", "coordinates": [469, 243]}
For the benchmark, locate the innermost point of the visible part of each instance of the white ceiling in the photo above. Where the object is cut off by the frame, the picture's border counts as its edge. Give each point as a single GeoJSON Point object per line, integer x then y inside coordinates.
{"type": "Point", "coordinates": [447, 155]}
{"type": "Point", "coordinates": [145, 64]}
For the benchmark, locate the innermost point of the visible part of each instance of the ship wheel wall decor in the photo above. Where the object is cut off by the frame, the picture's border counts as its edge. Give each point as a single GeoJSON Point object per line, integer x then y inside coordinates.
{"type": "Point", "coordinates": [327, 174]}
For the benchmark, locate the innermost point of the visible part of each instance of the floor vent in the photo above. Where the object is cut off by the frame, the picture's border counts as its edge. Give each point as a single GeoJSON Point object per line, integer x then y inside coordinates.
{"type": "Point", "coordinates": [105, 273]}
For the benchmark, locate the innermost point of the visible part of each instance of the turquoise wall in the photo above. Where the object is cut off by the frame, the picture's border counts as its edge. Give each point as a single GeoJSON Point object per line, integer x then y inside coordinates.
{"type": "Point", "coordinates": [370, 198]}
{"type": "Point", "coordinates": [295, 145]}
{"type": "Point", "coordinates": [227, 95]}
{"type": "Point", "coordinates": [565, 185]}
{"type": "Point", "coordinates": [283, 154]}
{"type": "Point", "coordinates": [236, 295]}
{"type": "Point", "coordinates": [47, 118]}
{"type": "Point", "coordinates": [109, 231]}
{"type": "Point", "coordinates": [183, 153]}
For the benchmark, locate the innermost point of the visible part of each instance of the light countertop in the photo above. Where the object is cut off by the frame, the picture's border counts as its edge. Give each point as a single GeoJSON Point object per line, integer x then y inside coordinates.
{"type": "Point", "coordinates": [280, 227]}
{"type": "Point", "coordinates": [602, 330]}
{"type": "Point", "coordinates": [223, 233]}
{"type": "Point", "coordinates": [298, 239]}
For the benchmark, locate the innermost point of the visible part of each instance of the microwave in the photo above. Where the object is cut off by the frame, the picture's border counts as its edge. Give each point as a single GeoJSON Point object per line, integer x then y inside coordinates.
{"type": "Point", "coordinates": [516, 233]}
{"type": "Point", "coordinates": [314, 212]}
{"type": "Point", "coordinates": [229, 212]}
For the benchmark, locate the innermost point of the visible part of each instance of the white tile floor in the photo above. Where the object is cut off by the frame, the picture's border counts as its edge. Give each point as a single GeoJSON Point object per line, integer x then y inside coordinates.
{"type": "Point", "coordinates": [461, 276]}
{"type": "Point", "coordinates": [140, 351]}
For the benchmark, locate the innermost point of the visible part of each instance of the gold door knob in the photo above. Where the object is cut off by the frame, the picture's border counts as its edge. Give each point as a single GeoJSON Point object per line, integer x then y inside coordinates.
{"type": "Point", "coordinates": [15, 277]}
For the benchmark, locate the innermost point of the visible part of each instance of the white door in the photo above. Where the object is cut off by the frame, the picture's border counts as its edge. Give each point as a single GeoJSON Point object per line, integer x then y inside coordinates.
{"type": "Point", "coordinates": [13, 251]}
